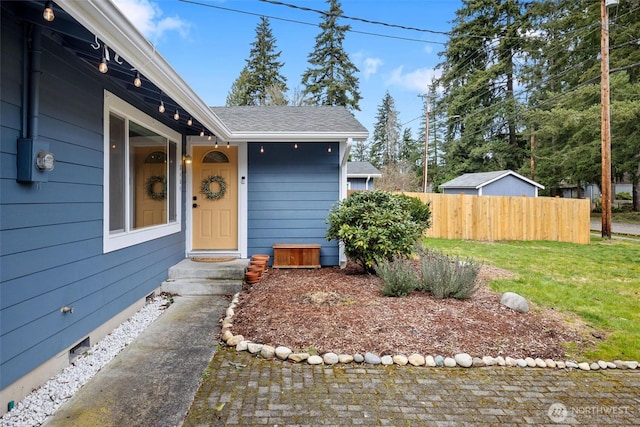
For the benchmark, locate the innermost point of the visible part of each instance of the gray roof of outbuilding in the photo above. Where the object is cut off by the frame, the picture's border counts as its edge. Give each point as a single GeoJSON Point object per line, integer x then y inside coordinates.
{"type": "Point", "coordinates": [291, 119]}
{"type": "Point", "coordinates": [355, 169]}
{"type": "Point", "coordinates": [480, 179]}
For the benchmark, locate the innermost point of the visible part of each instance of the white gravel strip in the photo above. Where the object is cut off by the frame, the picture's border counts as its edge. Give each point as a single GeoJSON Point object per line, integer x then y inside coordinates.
{"type": "Point", "coordinates": [34, 409]}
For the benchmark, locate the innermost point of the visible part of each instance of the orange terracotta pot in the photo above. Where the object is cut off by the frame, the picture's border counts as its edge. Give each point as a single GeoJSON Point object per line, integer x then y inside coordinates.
{"type": "Point", "coordinates": [252, 277]}
{"type": "Point", "coordinates": [255, 267]}
{"type": "Point", "coordinates": [261, 257]}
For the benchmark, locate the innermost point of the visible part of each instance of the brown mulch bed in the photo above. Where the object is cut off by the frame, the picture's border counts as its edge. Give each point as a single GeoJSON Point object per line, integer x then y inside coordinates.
{"type": "Point", "coordinates": [343, 311]}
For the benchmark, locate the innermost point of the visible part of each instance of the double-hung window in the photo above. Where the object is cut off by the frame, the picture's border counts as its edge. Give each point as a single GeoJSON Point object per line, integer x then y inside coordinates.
{"type": "Point", "coordinates": [141, 176]}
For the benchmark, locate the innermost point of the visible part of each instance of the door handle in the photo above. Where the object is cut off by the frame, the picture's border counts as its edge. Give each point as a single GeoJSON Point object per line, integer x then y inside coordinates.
{"type": "Point", "coordinates": [195, 205]}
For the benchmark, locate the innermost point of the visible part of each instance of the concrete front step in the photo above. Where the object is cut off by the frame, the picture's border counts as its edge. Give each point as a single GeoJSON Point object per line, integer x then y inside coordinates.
{"type": "Point", "coordinates": [188, 269]}
{"type": "Point", "coordinates": [191, 287]}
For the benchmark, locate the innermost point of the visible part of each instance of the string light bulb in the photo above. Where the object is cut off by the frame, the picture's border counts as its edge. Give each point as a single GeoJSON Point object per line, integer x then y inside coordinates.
{"type": "Point", "coordinates": [161, 108]}
{"type": "Point", "coordinates": [227, 144]}
{"type": "Point", "coordinates": [47, 13]}
{"type": "Point", "coordinates": [137, 81]}
{"type": "Point", "coordinates": [202, 133]}
{"type": "Point", "coordinates": [103, 63]}
{"type": "Point", "coordinates": [190, 121]}
{"type": "Point", "coordinates": [103, 67]}
{"type": "Point", "coordinates": [216, 144]}
{"type": "Point", "coordinates": [176, 116]}
{"type": "Point", "coordinates": [209, 137]}
{"type": "Point", "coordinates": [329, 150]}
{"type": "Point", "coordinates": [262, 149]}
{"type": "Point", "coordinates": [295, 145]}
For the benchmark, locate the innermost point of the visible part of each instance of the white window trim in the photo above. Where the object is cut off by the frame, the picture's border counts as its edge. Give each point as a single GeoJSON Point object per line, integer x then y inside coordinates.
{"type": "Point", "coordinates": [113, 242]}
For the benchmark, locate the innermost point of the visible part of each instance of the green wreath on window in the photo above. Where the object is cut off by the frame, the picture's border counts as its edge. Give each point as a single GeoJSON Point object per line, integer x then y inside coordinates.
{"type": "Point", "coordinates": [150, 187]}
{"type": "Point", "coordinates": [206, 187]}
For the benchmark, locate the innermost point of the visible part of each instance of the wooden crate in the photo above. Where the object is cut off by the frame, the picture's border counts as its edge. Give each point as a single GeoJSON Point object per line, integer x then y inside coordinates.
{"type": "Point", "coordinates": [296, 255]}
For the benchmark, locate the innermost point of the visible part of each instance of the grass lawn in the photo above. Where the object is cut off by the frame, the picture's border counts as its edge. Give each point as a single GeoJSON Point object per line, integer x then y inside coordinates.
{"type": "Point", "coordinates": [599, 282]}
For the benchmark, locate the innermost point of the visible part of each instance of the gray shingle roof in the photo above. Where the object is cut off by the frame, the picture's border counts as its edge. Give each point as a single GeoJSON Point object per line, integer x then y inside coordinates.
{"type": "Point", "coordinates": [290, 119]}
{"type": "Point", "coordinates": [480, 179]}
{"type": "Point", "coordinates": [355, 169]}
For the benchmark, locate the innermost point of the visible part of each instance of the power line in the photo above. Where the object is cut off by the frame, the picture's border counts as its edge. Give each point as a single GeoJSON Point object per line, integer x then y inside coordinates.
{"type": "Point", "coordinates": [295, 21]}
{"type": "Point", "coordinates": [367, 21]}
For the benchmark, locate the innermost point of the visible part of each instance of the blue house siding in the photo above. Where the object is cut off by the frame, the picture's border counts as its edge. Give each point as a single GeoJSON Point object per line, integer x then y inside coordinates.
{"type": "Point", "coordinates": [290, 193]}
{"type": "Point", "coordinates": [51, 251]}
{"type": "Point", "coordinates": [509, 186]}
{"type": "Point", "coordinates": [360, 184]}
{"type": "Point", "coordinates": [470, 191]}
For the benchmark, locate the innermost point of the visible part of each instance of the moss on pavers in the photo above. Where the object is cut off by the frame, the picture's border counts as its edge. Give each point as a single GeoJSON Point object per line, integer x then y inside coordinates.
{"type": "Point", "coordinates": [244, 390]}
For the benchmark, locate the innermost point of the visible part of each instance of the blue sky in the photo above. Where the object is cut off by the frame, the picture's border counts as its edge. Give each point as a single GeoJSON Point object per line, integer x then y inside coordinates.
{"type": "Point", "coordinates": [208, 41]}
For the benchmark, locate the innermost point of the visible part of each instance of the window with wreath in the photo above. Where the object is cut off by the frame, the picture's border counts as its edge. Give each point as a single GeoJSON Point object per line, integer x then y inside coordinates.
{"type": "Point", "coordinates": [142, 170]}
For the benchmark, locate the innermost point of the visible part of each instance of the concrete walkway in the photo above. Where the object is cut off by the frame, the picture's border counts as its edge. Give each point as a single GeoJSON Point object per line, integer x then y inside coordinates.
{"type": "Point", "coordinates": [152, 382]}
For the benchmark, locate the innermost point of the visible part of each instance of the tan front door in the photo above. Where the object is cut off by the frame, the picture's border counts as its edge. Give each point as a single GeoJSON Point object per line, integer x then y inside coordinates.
{"type": "Point", "coordinates": [215, 221]}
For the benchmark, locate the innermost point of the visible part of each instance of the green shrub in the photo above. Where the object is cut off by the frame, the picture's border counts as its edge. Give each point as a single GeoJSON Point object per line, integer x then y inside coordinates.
{"type": "Point", "coordinates": [377, 225]}
{"type": "Point", "coordinates": [419, 211]}
{"type": "Point", "coordinates": [447, 277]}
{"type": "Point", "coordinates": [398, 276]}
{"type": "Point", "coordinates": [624, 195]}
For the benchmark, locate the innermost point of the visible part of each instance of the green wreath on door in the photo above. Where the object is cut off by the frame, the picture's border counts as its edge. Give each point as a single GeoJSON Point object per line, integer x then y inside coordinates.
{"type": "Point", "coordinates": [206, 187]}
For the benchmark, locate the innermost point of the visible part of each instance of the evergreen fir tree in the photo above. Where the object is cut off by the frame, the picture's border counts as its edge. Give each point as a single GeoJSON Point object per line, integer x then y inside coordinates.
{"type": "Point", "coordinates": [331, 78]}
{"type": "Point", "coordinates": [263, 83]}
{"type": "Point", "coordinates": [385, 144]}
{"type": "Point", "coordinates": [238, 95]}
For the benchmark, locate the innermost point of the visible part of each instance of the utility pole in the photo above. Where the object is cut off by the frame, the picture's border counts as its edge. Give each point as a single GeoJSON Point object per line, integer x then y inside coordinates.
{"type": "Point", "coordinates": [426, 141]}
{"type": "Point", "coordinates": [605, 114]}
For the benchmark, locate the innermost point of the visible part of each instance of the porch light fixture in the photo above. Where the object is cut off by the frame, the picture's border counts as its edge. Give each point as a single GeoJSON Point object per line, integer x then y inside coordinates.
{"type": "Point", "coordinates": [190, 121]}
{"type": "Point", "coordinates": [202, 133]}
{"type": "Point", "coordinates": [137, 81]}
{"type": "Point", "coordinates": [176, 116]}
{"type": "Point", "coordinates": [47, 13]}
{"type": "Point", "coordinates": [187, 159]}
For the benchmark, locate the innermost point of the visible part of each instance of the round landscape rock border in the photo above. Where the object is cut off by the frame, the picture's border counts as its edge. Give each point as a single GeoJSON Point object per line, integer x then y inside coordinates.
{"type": "Point", "coordinates": [460, 360]}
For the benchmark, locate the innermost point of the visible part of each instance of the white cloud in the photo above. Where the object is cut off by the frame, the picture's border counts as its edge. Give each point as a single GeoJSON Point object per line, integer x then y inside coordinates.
{"type": "Point", "coordinates": [371, 66]}
{"type": "Point", "coordinates": [428, 49]}
{"type": "Point", "coordinates": [147, 17]}
{"type": "Point", "coordinates": [416, 80]}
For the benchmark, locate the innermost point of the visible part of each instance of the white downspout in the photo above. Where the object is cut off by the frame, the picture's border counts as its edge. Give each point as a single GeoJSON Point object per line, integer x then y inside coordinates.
{"type": "Point", "coordinates": [342, 258]}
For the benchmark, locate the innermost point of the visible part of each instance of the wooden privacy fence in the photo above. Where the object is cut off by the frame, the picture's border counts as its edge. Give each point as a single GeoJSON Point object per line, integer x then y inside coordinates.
{"type": "Point", "coordinates": [489, 218]}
